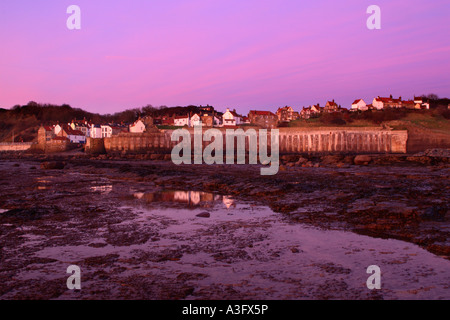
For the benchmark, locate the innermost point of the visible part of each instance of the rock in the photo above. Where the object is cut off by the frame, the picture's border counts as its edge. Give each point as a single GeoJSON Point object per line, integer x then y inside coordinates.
{"type": "Point", "coordinates": [363, 160]}
{"type": "Point", "coordinates": [301, 161]}
{"type": "Point", "coordinates": [420, 159]}
{"type": "Point", "coordinates": [54, 165]}
{"type": "Point", "coordinates": [290, 164]}
{"type": "Point", "coordinates": [348, 159]}
{"type": "Point", "coordinates": [295, 250]}
{"type": "Point", "coordinates": [154, 156]}
{"type": "Point", "coordinates": [204, 215]}
{"type": "Point", "coordinates": [434, 213]}
{"type": "Point", "coordinates": [331, 159]}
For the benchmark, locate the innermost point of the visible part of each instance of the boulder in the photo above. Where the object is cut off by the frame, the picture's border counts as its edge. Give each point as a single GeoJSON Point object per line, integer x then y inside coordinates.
{"type": "Point", "coordinates": [53, 165]}
{"type": "Point", "coordinates": [301, 161]}
{"type": "Point", "coordinates": [362, 160]}
{"type": "Point", "coordinates": [204, 215]}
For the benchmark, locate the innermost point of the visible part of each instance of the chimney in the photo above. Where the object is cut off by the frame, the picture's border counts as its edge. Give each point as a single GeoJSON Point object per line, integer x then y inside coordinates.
{"type": "Point", "coordinates": [390, 96]}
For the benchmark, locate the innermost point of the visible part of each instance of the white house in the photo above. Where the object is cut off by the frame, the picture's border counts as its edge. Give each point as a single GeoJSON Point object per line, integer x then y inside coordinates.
{"type": "Point", "coordinates": [181, 121]}
{"type": "Point", "coordinates": [196, 120]}
{"type": "Point", "coordinates": [95, 131]}
{"type": "Point", "coordinates": [137, 127]}
{"type": "Point", "coordinates": [360, 105]}
{"type": "Point", "coordinates": [421, 103]}
{"type": "Point", "coordinates": [106, 131]}
{"type": "Point", "coordinates": [231, 118]}
{"type": "Point", "coordinates": [76, 136]}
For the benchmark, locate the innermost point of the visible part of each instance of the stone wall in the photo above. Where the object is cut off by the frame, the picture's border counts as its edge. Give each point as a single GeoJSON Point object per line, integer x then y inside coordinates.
{"type": "Point", "coordinates": [95, 145]}
{"type": "Point", "coordinates": [292, 140]}
{"type": "Point", "coordinates": [16, 147]}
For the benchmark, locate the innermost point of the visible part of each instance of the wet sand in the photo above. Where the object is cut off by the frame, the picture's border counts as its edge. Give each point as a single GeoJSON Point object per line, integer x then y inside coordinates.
{"type": "Point", "coordinates": [134, 229]}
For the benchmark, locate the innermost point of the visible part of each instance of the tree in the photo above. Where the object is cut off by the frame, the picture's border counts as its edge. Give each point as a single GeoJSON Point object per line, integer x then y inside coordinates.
{"type": "Point", "coordinates": [433, 96]}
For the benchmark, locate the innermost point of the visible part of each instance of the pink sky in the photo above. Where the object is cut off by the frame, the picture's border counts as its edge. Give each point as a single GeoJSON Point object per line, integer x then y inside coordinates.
{"type": "Point", "coordinates": [239, 54]}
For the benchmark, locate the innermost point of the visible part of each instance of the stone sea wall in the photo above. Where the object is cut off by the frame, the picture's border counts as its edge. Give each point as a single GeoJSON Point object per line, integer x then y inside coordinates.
{"type": "Point", "coordinates": [17, 146]}
{"type": "Point", "coordinates": [291, 140]}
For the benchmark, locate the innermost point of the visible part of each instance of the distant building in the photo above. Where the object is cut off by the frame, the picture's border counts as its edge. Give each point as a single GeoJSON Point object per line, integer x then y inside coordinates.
{"type": "Point", "coordinates": [95, 131]}
{"type": "Point", "coordinates": [231, 118]}
{"type": "Point", "coordinates": [381, 103]}
{"type": "Point", "coordinates": [421, 103]}
{"type": "Point", "coordinates": [408, 104]}
{"type": "Point", "coordinates": [80, 125]}
{"type": "Point", "coordinates": [181, 121]}
{"type": "Point", "coordinates": [264, 119]}
{"type": "Point", "coordinates": [74, 136]}
{"type": "Point", "coordinates": [359, 105]}
{"type": "Point", "coordinates": [287, 114]}
{"type": "Point", "coordinates": [196, 120]}
{"type": "Point", "coordinates": [331, 106]}
{"type": "Point", "coordinates": [111, 130]}
{"type": "Point", "coordinates": [47, 132]}
{"type": "Point", "coordinates": [137, 127]}
{"type": "Point", "coordinates": [311, 112]}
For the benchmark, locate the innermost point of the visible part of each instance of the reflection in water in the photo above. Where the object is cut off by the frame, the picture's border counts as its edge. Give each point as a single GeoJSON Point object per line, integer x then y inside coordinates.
{"type": "Point", "coordinates": [43, 183]}
{"type": "Point", "coordinates": [105, 189]}
{"type": "Point", "coordinates": [191, 198]}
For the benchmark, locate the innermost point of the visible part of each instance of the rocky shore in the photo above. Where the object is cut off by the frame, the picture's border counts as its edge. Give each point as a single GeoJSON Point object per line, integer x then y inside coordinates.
{"type": "Point", "coordinates": [72, 198]}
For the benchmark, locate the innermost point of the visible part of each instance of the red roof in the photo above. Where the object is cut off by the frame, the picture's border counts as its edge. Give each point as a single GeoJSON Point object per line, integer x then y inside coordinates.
{"type": "Point", "coordinates": [356, 101]}
{"type": "Point", "coordinates": [332, 103]}
{"type": "Point", "coordinates": [387, 100]}
{"type": "Point", "coordinates": [60, 138]}
{"type": "Point", "coordinates": [72, 132]}
{"type": "Point", "coordinates": [262, 113]}
{"type": "Point", "coordinates": [47, 128]}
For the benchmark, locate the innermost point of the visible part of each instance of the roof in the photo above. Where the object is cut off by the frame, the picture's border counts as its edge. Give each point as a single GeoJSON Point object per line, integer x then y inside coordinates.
{"type": "Point", "coordinates": [72, 132]}
{"type": "Point", "coordinates": [387, 100]}
{"type": "Point", "coordinates": [287, 108]}
{"type": "Point", "coordinates": [331, 103]}
{"type": "Point", "coordinates": [47, 128]}
{"type": "Point", "coordinates": [60, 138]}
{"type": "Point", "coordinates": [261, 113]}
{"type": "Point", "coordinates": [356, 101]}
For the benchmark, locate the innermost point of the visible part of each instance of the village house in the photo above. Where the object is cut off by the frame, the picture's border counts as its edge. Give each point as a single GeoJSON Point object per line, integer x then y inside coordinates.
{"type": "Point", "coordinates": [66, 131]}
{"type": "Point", "coordinates": [111, 130]}
{"type": "Point", "coordinates": [80, 125]}
{"type": "Point", "coordinates": [137, 127]}
{"type": "Point", "coordinates": [168, 121]}
{"type": "Point", "coordinates": [381, 103]}
{"type": "Point", "coordinates": [331, 106]}
{"type": "Point", "coordinates": [359, 105]}
{"type": "Point", "coordinates": [287, 114]}
{"type": "Point", "coordinates": [311, 112]}
{"type": "Point", "coordinates": [48, 132]}
{"type": "Point", "coordinates": [231, 118]}
{"type": "Point", "coordinates": [421, 103]}
{"type": "Point", "coordinates": [95, 131]}
{"type": "Point", "coordinates": [196, 120]}
{"type": "Point", "coordinates": [408, 104]}
{"type": "Point", "coordinates": [181, 121]}
{"type": "Point", "coordinates": [264, 119]}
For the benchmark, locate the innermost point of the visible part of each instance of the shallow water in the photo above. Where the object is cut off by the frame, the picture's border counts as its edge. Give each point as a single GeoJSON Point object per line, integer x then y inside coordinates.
{"type": "Point", "coordinates": [260, 255]}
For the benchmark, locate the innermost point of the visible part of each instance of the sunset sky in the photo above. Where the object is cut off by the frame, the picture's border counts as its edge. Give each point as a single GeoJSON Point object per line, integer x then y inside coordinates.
{"type": "Point", "coordinates": [243, 54]}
